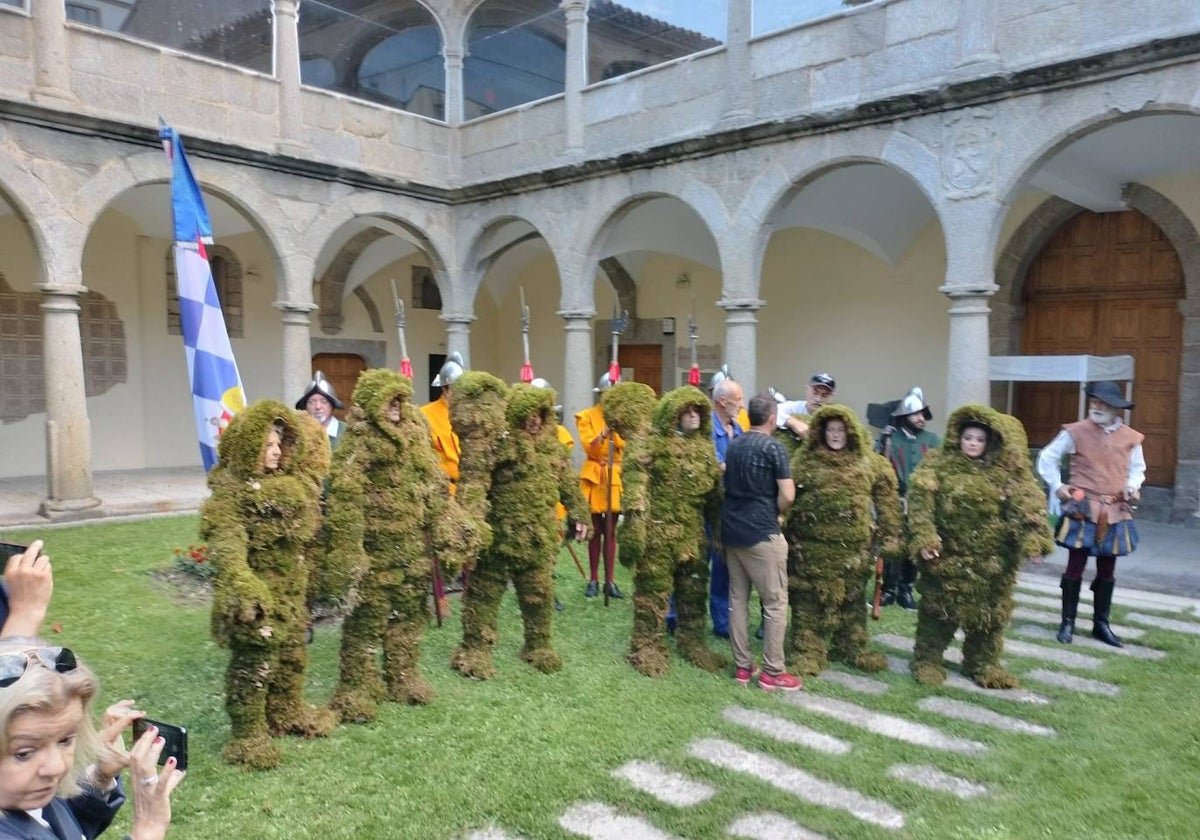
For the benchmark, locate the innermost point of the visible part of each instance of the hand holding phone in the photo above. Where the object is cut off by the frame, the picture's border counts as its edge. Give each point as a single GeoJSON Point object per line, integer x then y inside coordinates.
{"type": "Point", "coordinates": [174, 740]}
{"type": "Point", "coordinates": [28, 587]}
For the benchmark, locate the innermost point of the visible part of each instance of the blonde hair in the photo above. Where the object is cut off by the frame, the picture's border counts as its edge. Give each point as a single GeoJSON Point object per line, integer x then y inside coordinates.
{"type": "Point", "coordinates": [42, 689]}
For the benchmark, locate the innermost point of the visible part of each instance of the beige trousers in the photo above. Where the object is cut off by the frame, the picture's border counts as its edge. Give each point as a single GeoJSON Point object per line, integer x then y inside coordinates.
{"type": "Point", "coordinates": [764, 566]}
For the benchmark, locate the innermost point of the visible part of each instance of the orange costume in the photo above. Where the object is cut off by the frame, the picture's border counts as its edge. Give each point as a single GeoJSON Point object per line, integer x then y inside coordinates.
{"type": "Point", "coordinates": [744, 420]}
{"type": "Point", "coordinates": [594, 483]}
{"type": "Point", "coordinates": [445, 442]}
{"type": "Point", "coordinates": [564, 437]}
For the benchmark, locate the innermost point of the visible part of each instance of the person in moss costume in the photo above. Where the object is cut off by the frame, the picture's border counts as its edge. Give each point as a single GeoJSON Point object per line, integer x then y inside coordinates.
{"type": "Point", "coordinates": [514, 470]}
{"type": "Point", "coordinates": [263, 513]}
{"type": "Point", "coordinates": [975, 512]}
{"type": "Point", "coordinates": [682, 492]}
{"type": "Point", "coordinates": [390, 516]}
{"type": "Point", "coordinates": [846, 506]}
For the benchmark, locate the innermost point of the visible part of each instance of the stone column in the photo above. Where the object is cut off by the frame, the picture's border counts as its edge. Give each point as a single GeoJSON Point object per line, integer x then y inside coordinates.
{"type": "Point", "coordinates": [297, 349]}
{"type": "Point", "coordinates": [287, 71]}
{"type": "Point", "coordinates": [741, 340]}
{"type": "Point", "coordinates": [967, 356]}
{"type": "Point", "coordinates": [68, 430]}
{"type": "Point", "coordinates": [576, 76]}
{"type": "Point", "coordinates": [453, 58]}
{"type": "Point", "coordinates": [458, 335]}
{"type": "Point", "coordinates": [977, 53]}
{"type": "Point", "coordinates": [577, 371]}
{"type": "Point", "coordinates": [51, 57]}
{"type": "Point", "coordinates": [738, 89]}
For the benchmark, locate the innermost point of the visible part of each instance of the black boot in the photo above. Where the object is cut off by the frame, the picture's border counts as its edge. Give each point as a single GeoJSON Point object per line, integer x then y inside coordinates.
{"type": "Point", "coordinates": [891, 580]}
{"type": "Point", "coordinates": [1102, 603]}
{"type": "Point", "coordinates": [1070, 603]}
{"type": "Point", "coordinates": [610, 589]}
{"type": "Point", "coordinates": [908, 577]}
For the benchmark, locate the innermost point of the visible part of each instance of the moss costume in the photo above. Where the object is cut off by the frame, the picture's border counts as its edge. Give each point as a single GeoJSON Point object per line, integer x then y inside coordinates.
{"type": "Point", "coordinates": [258, 525]}
{"type": "Point", "coordinates": [516, 478]}
{"type": "Point", "coordinates": [389, 516]}
{"type": "Point", "coordinates": [673, 487]}
{"type": "Point", "coordinates": [846, 503]}
{"type": "Point", "coordinates": [984, 517]}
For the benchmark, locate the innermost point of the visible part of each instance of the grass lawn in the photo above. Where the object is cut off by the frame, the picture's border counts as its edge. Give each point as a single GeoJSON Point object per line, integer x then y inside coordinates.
{"type": "Point", "coordinates": [519, 750]}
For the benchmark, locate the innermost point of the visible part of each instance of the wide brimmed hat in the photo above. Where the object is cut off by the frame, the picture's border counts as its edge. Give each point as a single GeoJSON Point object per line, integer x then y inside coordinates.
{"type": "Point", "coordinates": [913, 403]}
{"type": "Point", "coordinates": [319, 385]}
{"type": "Point", "coordinates": [1109, 392]}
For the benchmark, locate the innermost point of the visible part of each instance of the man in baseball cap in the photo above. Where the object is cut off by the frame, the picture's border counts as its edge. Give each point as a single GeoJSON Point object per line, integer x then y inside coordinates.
{"type": "Point", "coordinates": [819, 391]}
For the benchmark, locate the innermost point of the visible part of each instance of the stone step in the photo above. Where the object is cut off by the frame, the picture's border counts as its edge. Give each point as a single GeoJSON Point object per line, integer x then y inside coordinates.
{"type": "Point", "coordinates": [604, 822]}
{"type": "Point", "coordinates": [1082, 625]}
{"type": "Point", "coordinates": [1123, 596]}
{"type": "Point", "coordinates": [1191, 628]}
{"type": "Point", "coordinates": [810, 788]}
{"type": "Point", "coordinates": [785, 731]}
{"type": "Point", "coordinates": [1065, 658]}
{"type": "Point", "coordinates": [1083, 685]}
{"type": "Point", "coordinates": [889, 726]}
{"type": "Point", "coordinates": [770, 826]}
{"type": "Point", "coordinates": [663, 784]}
{"type": "Point", "coordinates": [1088, 643]}
{"type": "Point", "coordinates": [959, 710]}
{"type": "Point", "coordinates": [931, 778]}
{"type": "Point", "coordinates": [854, 682]}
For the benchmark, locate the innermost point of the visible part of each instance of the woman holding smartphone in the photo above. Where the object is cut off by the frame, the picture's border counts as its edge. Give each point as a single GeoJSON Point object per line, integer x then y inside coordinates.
{"type": "Point", "coordinates": [25, 594]}
{"type": "Point", "coordinates": [58, 775]}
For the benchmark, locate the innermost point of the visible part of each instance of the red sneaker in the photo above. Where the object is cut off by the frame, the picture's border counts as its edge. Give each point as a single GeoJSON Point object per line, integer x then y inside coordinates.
{"type": "Point", "coordinates": [779, 682]}
{"type": "Point", "coordinates": [744, 675]}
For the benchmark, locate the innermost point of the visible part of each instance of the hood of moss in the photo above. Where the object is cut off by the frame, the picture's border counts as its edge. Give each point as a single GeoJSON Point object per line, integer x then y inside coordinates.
{"type": "Point", "coordinates": [979, 414]}
{"type": "Point", "coordinates": [666, 413]}
{"type": "Point", "coordinates": [857, 438]}
{"type": "Point", "coordinates": [244, 441]}
{"type": "Point", "coordinates": [628, 407]}
{"type": "Point", "coordinates": [524, 401]}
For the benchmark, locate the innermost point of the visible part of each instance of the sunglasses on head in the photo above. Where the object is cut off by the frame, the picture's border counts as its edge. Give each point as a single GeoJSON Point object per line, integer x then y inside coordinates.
{"type": "Point", "coordinates": [58, 659]}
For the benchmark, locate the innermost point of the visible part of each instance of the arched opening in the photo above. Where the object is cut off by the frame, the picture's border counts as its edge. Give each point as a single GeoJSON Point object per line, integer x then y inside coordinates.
{"type": "Point", "coordinates": [512, 56]}
{"type": "Point", "coordinates": [1105, 284]}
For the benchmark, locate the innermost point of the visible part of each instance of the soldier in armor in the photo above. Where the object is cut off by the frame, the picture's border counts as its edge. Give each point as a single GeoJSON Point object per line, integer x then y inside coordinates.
{"type": "Point", "coordinates": [600, 483]}
{"type": "Point", "coordinates": [445, 442]}
{"type": "Point", "coordinates": [1107, 468]}
{"type": "Point", "coordinates": [320, 400]}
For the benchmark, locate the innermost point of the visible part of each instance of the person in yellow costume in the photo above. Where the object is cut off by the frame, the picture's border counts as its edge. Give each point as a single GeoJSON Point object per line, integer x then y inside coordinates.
{"type": "Point", "coordinates": [445, 443]}
{"type": "Point", "coordinates": [601, 490]}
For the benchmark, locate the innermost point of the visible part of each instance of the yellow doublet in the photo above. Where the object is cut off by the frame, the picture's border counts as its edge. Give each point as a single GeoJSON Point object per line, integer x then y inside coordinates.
{"type": "Point", "coordinates": [437, 413]}
{"type": "Point", "coordinates": [593, 478]}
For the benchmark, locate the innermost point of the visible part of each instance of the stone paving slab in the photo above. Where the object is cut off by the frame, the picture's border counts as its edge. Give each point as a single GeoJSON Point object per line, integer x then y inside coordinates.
{"type": "Point", "coordinates": [959, 710]}
{"type": "Point", "coordinates": [1087, 642]}
{"type": "Point", "coordinates": [603, 822]}
{"type": "Point", "coordinates": [1082, 625]}
{"type": "Point", "coordinates": [1048, 654]}
{"type": "Point", "coordinates": [785, 731]}
{"type": "Point", "coordinates": [889, 726]}
{"type": "Point", "coordinates": [663, 784]}
{"type": "Point", "coordinates": [854, 682]}
{"type": "Point", "coordinates": [1046, 601]}
{"type": "Point", "coordinates": [1123, 596]}
{"type": "Point", "coordinates": [1083, 685]}
{"type": "Point", "coordinates": [795, 781]}
{"type": "Point", "coordinates": [931, 778]}
{"type": "Point", "coordinates": [770, 826]}
{"type": "Point", "coordinates": [1192, 628]}
{"type": "Point", "coordinates": [491, 834]}
{"type": "Point", "coordinates": [955, 680]}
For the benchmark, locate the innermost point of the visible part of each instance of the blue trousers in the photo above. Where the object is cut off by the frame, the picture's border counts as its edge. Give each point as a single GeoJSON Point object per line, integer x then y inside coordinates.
{"type": "Point", "coordinates": [718, 592]}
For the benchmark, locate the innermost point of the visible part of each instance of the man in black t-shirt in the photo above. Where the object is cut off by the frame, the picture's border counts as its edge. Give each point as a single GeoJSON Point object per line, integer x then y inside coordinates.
{"type": "Point", "coordinates": [758, 489]}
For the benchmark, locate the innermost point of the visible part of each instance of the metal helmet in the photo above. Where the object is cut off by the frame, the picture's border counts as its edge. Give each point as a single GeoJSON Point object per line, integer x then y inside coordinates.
{"type": "Point", "coordinates": [718, 377]}
{"type": "Point", "coordinates": [777, 395]}
{"type": "Point", "coordinates": [541, 383]}
{"type": "Point", "coordinates": [452, 368]}
{"type": "Point", "coordinates": [913, 403]}
{"type": "Point", "coordinates": [319, 385]}
{"type": "Point", "coordinates": [603, 384]}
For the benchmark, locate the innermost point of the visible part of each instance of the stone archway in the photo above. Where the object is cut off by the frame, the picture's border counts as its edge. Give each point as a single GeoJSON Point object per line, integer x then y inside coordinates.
{"type": "Point", "coordinates": [1008, 314]}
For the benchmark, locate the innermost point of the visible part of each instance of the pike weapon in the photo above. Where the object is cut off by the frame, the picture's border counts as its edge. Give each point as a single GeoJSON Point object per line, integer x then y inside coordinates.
{"type": "Point", "coordinates": [405, 364]}
{"type": "Point", "coordinates": [526, 367]}
{"type": "Point", "coordinates": [616, 326]}
{"type": "Point", "coordinates": [693, 335]}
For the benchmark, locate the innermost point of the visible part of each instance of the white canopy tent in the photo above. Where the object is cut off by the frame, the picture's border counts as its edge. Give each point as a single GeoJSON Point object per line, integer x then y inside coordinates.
{"type": "Point", "coordinates": [1081, 369]}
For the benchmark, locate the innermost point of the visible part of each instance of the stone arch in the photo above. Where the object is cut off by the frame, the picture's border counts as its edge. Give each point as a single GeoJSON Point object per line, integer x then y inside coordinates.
{"type": "Point", "coordinates": [1008, 312]}
{"type": "Point", "coordinates": [476, 263]}
{"type": "Point", "coordinates": [34, 204]}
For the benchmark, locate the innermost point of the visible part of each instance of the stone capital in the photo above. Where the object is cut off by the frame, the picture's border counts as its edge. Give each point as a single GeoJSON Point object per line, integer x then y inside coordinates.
{"type": "Point", "coordinates": [731, 305]}
{"type": "Point", "coordinates": [577, 318]}
{"type": "Point", "coordinates": [286, 7]}
{"type": "Point", "coordinates": [456, 320]}
{"type": "Point", "coordinates": [574, 8]}
{"type": "Point", "coordinates": [956, 291]}
{"type": "Point", "coordinates": [288, 307]}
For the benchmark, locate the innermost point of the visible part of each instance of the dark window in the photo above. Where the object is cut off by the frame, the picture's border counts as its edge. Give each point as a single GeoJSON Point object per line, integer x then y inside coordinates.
{"type": "Point", "coordinates": [425, 291]}
{"type": "Point", "coordinates": [513, 57]}
{"type": "Point", "coordinates": [83, 14]}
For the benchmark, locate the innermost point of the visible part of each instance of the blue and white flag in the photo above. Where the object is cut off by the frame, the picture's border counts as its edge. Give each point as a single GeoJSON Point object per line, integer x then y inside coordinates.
{"type": "Point", "coordinates": [217, 392]}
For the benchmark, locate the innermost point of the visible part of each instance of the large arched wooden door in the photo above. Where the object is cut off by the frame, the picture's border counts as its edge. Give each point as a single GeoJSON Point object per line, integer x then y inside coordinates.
{"type": "Point", "coordinates": [1107, 284]}
{"type": "Point", "coordinates": [342, 370]}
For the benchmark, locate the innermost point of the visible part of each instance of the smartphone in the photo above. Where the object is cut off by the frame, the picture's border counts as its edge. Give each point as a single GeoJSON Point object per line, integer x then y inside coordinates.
{"type": "Point", "coordinates": [10, 549]}
{"type": "Point", "coordinates": [175, 737]}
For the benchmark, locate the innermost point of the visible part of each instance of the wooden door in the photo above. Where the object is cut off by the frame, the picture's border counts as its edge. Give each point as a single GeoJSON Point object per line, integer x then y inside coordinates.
{"type": "Point", "coordinates": [1108, 284]}
{"type": "Point", "coordinates": [342, 370]}
{"type": "Point", "coordinates": [645, 362]}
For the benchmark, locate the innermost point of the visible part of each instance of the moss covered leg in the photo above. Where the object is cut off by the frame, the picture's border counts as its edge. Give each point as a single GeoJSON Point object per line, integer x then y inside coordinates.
{"type": "Point", "coordinates": [805, 651]}
{"type": "Point", "coordinates": [850, 634]}
{"type": "Point", "coordinates": [981, 659]}
{"type": "Point", "coordinates": [406, 625]}
{"type": "Point", "coordinates": [287, 713]}
{"type": "Point", "coordinates": [934, 635]}
{"type": "Point", "coordinates": [360, 686]}
{"type": "Point", "coordinates": [648, 652]}
{"type": "Point", "coordinates": [246, 680]}
{"type": "Point", "coordinates": [535, 596]}
{"type": "Point", "coordinates": [691, 607]}
{"type": "Point", "coordinates": [480, 618]}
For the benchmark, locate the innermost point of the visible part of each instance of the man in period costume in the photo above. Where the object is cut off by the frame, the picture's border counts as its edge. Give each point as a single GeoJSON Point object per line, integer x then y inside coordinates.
{"type": "Point", "coordinates": [600, 483]}
{"type": "Point", "coordinates": [320, 401]}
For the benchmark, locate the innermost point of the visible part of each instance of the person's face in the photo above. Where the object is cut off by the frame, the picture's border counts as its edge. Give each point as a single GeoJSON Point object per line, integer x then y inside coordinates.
{"type": "Point", "coordinates": [689, 419]}
{"type": "Point", "coordinates": [973, 442]}
{"type": "Point", "coordinates": [817, 395]}
{"type": "Point", "coordinates": [533, 423]}
{"type": "Point", "coordinates": [393, 411]}
{"type": "Point", "coordinates": [916, 421]}
{"type": "Point", "coordinates": [41, 752]}
{"type": "Point", "coordinates": [835, 435]}
{"type": "Point", "coordinates": [731, 404]}
{"type": "Point", "coordinates": [320, 408]}
{"type": "Point", "coordinates": [274, 453]}
{"type": "Point", "coordinates": [1100, 412]}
